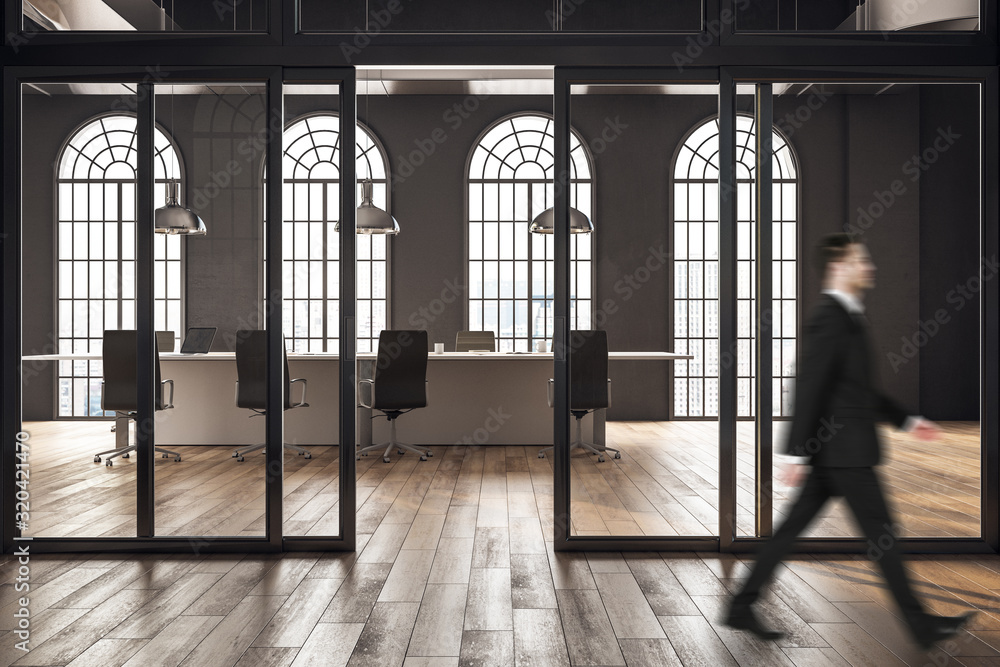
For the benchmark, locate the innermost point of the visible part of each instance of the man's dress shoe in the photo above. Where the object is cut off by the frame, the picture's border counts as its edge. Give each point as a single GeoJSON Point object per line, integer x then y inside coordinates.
{"type": "Point", "coordinates": [745, 619]}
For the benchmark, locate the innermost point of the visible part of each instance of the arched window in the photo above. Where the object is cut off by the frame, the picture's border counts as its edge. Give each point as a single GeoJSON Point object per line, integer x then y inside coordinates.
{"type": "Point", "coordinates": [95, 212]}
{"type": "Point", "coordinates": [311, 255]}
{"type": "Point", "coordinates": [696, 269]}
{"type": "Point", "coordinates": [511, 270]}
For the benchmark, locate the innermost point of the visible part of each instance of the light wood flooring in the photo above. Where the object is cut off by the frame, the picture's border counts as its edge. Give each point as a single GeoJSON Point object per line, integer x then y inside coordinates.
{"type": "Point", "coordinates": [666, 483]}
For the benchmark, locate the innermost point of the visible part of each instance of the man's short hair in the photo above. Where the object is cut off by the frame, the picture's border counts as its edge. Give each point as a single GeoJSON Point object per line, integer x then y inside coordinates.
{"type": "Point", "coordinates": [833, 248]}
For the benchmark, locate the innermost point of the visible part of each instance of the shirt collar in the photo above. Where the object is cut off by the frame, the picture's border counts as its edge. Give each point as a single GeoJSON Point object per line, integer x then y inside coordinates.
{"type": "Point", "coordinates": [850, 303]}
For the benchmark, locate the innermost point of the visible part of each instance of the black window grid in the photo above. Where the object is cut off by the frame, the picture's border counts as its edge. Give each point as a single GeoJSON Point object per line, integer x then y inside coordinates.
{"type": "Point", "coordinates": [511, 289]}
{"type": "Point", "coordinates": [95, 260]}
{"type": "Point", "coordinates": [310, 257]}
{"type": "Point", "coordinates": [695, 278]}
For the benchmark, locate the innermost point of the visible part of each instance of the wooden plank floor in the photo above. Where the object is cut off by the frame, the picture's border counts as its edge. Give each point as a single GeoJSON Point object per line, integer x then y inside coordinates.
{"type": "Point", "coordinates": [454, 566]}
{"type": "Point", "coordinates": [666, 483]}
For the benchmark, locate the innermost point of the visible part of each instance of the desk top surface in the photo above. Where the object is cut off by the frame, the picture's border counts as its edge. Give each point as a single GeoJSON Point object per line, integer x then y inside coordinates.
{"type": "Point", "coordinates": [323, 356]}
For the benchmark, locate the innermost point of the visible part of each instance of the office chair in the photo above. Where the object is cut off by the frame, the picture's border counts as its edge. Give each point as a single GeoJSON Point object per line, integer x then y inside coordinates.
{"type": "Point", "coordinates": [466, 341]}
{"type": "Point", "coordinates": [400, 384]}
{"type": "Point", "coordinates": [251, 387]}
{"type": "Point", "coordinates": [165, 340]}
{"type": "Point", "coordinates": [118, 388]}
{"type": "Point", "coordinates": [589, 387]}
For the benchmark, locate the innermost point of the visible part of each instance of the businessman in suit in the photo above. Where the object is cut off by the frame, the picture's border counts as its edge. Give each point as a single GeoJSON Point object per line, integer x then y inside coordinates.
{"type": "Point", "coordinates": [833, 435]}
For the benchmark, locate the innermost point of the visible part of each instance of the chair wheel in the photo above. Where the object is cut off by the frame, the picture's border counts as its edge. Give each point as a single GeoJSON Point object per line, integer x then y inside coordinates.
{"type": "Point", "coordinates": [108, 463]}
{"type": "Point", "coordinates": [400, 452]}
{"type": "Point", "coordinates": [177, 460]}
{"type": "Point", "coordinates": [301, 453]}
{"type": "Point", "coordinates": [358, 457]}
{"type": "Point", "coordinates": [618, 455]}
{"type": "Point", "coordinates": [541, 455]}
{"type": "Point", "coordinates": [240, 459]}
{"type": "Point", "coordinates": [430, 453]}
{"type": "Point", "coordinates": [386, 459]}
{"type": "Point", "coordinates": [235, 454]}
{"type": "Point", "coordinates": [308, 455]}
{"type": "Point", "coordinates": [97, 459]}
{"type": "Point", "coordinates": [165, 456]}
{"type": "Point", "coordinates": [423, 458]}
{"type": "Point", "coordinates": [600, 459]}
{"type": "Point", "coordinates": [125, 455]}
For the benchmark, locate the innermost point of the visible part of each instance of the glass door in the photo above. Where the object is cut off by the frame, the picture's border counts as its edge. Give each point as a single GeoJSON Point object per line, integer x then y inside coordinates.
{"type": "Point", "coordinates": [900, 165]}
{"type": "Point", "coordinates": [640, 309]}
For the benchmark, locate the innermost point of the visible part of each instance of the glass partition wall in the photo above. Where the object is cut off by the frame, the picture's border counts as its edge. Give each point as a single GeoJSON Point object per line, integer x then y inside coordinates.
{"type": "Point", "coordinates": [311, 297]}
{"type": "Point", "coordinates": [879, 16]}
{"type": "Point", "coordinates": [691, 255]}
{"type": "Point", "coordinates": [653, 307]}
{"type": "Point", "coordinates": [742, 229]}
{"type": "Point", "coordinates": [79, 284]}
{"type": "Point", "coordinates": [214, 492]}
{"type": "Point", "coordinates": [38, 16]}
{"type": "Point", "coordinates": [147, 350]}
{"type": "Point", "coordinates": [904, 180]}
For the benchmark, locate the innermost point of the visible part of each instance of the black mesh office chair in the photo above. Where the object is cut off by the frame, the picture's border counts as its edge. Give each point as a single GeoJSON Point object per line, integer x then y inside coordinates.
{"type": "Point", "coordinates": [118, 388]}
{"type": "Point", "coordinates": [466, 341]}
{"type": "Point", "coordinates": [589, 386]}
{"type": "Point", "coordinates": [251, 387]}
{"type": "Point", "coordinates": [400, 384]}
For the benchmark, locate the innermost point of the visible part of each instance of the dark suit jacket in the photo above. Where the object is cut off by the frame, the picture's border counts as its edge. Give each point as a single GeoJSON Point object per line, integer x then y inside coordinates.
{"type": "Point", "coordinates": [836, 400]}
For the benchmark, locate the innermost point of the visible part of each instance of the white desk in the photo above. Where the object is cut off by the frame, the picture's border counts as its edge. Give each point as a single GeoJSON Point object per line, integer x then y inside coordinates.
{"type": "Point", "coordinates": [473, 397]}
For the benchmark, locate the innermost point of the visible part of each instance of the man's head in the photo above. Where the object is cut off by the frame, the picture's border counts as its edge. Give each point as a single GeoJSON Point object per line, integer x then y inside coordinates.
{"type": "Point", "coordinates": [846, 264]}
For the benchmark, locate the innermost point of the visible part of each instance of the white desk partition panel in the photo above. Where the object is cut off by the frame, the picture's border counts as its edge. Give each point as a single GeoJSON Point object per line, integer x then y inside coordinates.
{"type": "Point", "coordinates": [473, 398]}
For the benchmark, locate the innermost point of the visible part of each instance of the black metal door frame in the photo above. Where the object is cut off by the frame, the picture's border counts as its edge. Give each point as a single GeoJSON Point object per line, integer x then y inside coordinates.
{"type": "Point", "coordinates": [728, 78]}
{"type": "Point", "coordinates": [146, 541]}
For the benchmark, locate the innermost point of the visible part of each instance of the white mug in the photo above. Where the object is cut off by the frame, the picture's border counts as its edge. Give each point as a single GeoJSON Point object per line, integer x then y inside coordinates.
{"type": "Point", "coordinates": [540, 346]}
{"type": "Point", "coordinates": [438, 348]}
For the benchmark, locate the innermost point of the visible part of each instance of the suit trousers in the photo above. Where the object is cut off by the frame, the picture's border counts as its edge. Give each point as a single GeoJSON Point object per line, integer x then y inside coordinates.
{"type": "Point", "coordinates": [861, 489]}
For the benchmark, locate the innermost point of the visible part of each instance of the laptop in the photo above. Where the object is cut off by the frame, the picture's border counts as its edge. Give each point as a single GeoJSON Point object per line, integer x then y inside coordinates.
{"type": "Point", "coordinates": [198, 340]}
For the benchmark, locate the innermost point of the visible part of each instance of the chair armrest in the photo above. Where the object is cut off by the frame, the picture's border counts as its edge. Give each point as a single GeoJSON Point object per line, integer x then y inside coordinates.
{"type": "Point", "coordinates": [371, 384]}
{"type": "Point", "coordinates": [302, 401]}
{"type": "Point", "coordinates": [549, 390]}
{"type": "Point", "coordinates": [609, 392]}
{"type": "Point", "coordinates": [169, 403]}
{"type": "Point", "coordinates": [236, 396]}
{"type": "Point", "coordinates": [102, 395]}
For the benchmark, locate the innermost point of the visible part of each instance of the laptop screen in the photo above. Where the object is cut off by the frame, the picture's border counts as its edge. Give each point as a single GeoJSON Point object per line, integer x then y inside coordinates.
{"type": "Point", "coordinates": [198, 340]}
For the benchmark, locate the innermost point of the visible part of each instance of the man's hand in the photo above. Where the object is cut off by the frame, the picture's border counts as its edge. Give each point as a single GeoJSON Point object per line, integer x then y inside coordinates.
{"type": "Point", "coordinates": [792, 474]}
{"type": "Point", "coordinates": [926, 430]}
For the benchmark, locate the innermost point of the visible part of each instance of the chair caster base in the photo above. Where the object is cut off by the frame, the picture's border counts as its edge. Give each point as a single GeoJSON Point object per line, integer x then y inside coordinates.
{"type": "Point", "coordinates": [125, 455]}
{"type": "Point", "coordinates": [177, 460]}
{"type": "Point", "coordinates": [541, 455]}
{"type": "Point", "coordinates": [239, 458]}
{"type": "Point", "coordinates": [308, 455]}
{"type": "Point", "coordinates": [109, 463]}
{"type": "Point", "coordinates": [97, 459]}
{"type": "Point", "coordinates": [386, 459]}
{"type": "Point", "coordinates": [428, 454]}
{"type": "Point", "coordinates": [600, 459]}
{"type": "Point", "coordinates": [423, 458]}
{"type": "Point", "coordinates": [618, 455]}
{"type": "Point", "coordinates": [236, 455]}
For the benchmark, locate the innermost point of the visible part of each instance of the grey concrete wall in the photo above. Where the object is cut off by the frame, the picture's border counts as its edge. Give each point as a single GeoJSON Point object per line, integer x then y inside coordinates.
{"type": "Point", "coordinates": [849, 148]}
